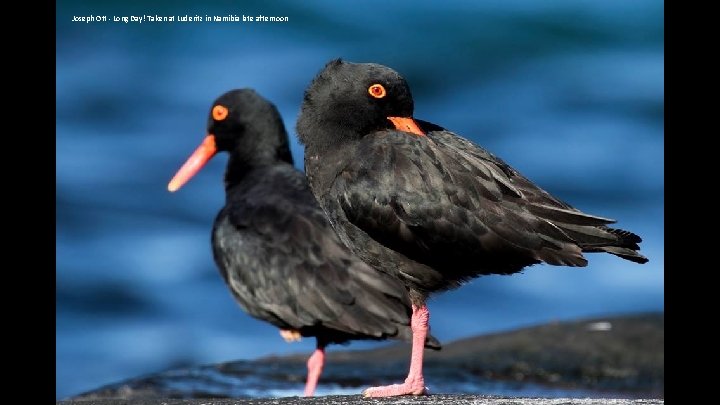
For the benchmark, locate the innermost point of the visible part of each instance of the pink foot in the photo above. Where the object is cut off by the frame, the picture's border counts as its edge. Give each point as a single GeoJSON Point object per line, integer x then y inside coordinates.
{"type": "Point", "coordinates": [315, 365]}
{"type": "Point", "coordinates": [414, 384]}
{"type": "Point", "coordinates": [416, 387]}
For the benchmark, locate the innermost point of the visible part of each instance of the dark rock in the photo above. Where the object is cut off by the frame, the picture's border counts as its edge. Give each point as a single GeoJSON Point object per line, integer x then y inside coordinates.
{"type": "Point", "coordinates": [624, 353]}
{"type": "Point", "coordinates": [618, 357]}
{"type": "Point", "coordinates": [356, 399]}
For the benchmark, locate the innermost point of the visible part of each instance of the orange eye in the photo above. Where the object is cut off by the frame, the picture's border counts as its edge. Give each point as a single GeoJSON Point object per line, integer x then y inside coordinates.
{"type": "Point", "coordinates": [219, 112]}
{"type": "Point", "coordinates": [377, 91]}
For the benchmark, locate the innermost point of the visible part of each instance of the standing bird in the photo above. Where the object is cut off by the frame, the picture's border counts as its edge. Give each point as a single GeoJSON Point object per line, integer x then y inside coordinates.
{"type": "Point", "coordinates": [425, 205]}
{"type": "Point", "coordinates": [276, 250]}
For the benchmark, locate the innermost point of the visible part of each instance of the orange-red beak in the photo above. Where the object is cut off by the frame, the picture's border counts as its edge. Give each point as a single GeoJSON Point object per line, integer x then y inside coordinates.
{"type": "Point", "coordinates": [195, 162]}
{"type": "Point", "coordinates": [407, 125]}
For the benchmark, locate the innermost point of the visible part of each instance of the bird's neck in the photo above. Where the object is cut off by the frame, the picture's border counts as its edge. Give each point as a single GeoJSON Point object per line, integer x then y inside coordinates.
{"type": "Point", "coordinates": [244, 161]}
{"type": "Point", "coordinates": [332, 134]}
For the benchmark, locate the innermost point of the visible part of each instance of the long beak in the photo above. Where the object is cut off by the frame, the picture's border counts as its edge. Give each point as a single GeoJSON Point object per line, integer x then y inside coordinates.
{"type": "Point", "coordinates": [406, 124]}
{"type": "Point", "coordinates": [194, 163]}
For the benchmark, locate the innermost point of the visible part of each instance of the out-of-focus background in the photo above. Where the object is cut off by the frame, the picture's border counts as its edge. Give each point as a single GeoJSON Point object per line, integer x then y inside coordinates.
{"type": "Point", "coordinates": [569, 92]}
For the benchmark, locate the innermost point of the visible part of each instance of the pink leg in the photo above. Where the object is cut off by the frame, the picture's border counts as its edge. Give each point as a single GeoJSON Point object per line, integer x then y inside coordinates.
{"type": "Point", "coordinates": [315, 367]}
{"type": "Point", "coordinates": [414, 383]}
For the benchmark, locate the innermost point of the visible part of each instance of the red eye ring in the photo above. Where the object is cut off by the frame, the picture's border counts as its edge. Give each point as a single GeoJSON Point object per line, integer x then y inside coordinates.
{"type": "Point", "coordinates": [377, 90]}
{"type": "Point", "coordinates": [219, 112]}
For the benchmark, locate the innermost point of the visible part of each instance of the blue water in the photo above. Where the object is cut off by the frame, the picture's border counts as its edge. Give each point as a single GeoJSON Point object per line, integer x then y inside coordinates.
{"type": "Point", "coordinates": [568, 92]}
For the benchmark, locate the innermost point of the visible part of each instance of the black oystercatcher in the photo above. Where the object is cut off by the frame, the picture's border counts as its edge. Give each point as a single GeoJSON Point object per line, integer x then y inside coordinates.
{"type": "Point", "coordinates": [425, 205]}
{"type": "Point", "coordinates": [276, 250]}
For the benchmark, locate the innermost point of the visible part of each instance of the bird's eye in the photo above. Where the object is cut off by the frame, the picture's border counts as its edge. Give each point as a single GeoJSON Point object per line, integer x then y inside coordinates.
{"type": "Point", "coordinates": [377, 90]}
{"type": "Point", "coordinates": [219, 112]}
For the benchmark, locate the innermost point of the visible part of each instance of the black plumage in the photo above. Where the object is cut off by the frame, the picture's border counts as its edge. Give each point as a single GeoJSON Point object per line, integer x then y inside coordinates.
{"type": "Point", "coordinates": [419, 202]}
{"type": "Point", "coordinates": [285, 265]}
{"type": "Point", "coordinates": [273, 245]}
{"type": "Point", "coordinates": [436, 209]}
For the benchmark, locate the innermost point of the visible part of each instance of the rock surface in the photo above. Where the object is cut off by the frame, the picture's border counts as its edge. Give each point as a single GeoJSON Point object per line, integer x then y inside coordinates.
{"type": "Point", "coordinates": [356, 399]}
{"type": "Point", "coordinates": [614, 357]}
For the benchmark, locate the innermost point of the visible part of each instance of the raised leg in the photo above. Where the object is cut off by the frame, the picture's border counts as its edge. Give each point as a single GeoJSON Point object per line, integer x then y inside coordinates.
{"type": "Point", "coordinates": [315, 365]}
{"type": "Point", "coordinates": [414, 383]}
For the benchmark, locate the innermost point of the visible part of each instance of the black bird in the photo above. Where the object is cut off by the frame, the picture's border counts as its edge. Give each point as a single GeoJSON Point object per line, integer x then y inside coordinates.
{"type": "Point", "coordinates": [425, 205]}
{"type": "Point", "coordinates": [276, 250]}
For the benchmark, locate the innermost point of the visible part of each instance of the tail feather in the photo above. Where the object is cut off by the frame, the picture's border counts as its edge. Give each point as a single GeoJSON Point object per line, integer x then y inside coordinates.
{"type": "Point", "coordinates": [569, 216]}
{"type": "Point", "coordinates": [627, 237]}
{"type": "Point", "coordinates": [589, 236]}
{"type": "Point", "coordinates": [625, 253]}
{"type": "Point", "coordinates": [589, 232]}
{"type": "Point", "coordinates": [618, 242]}
{"type": "Point", "coordinates": [431, 341]}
